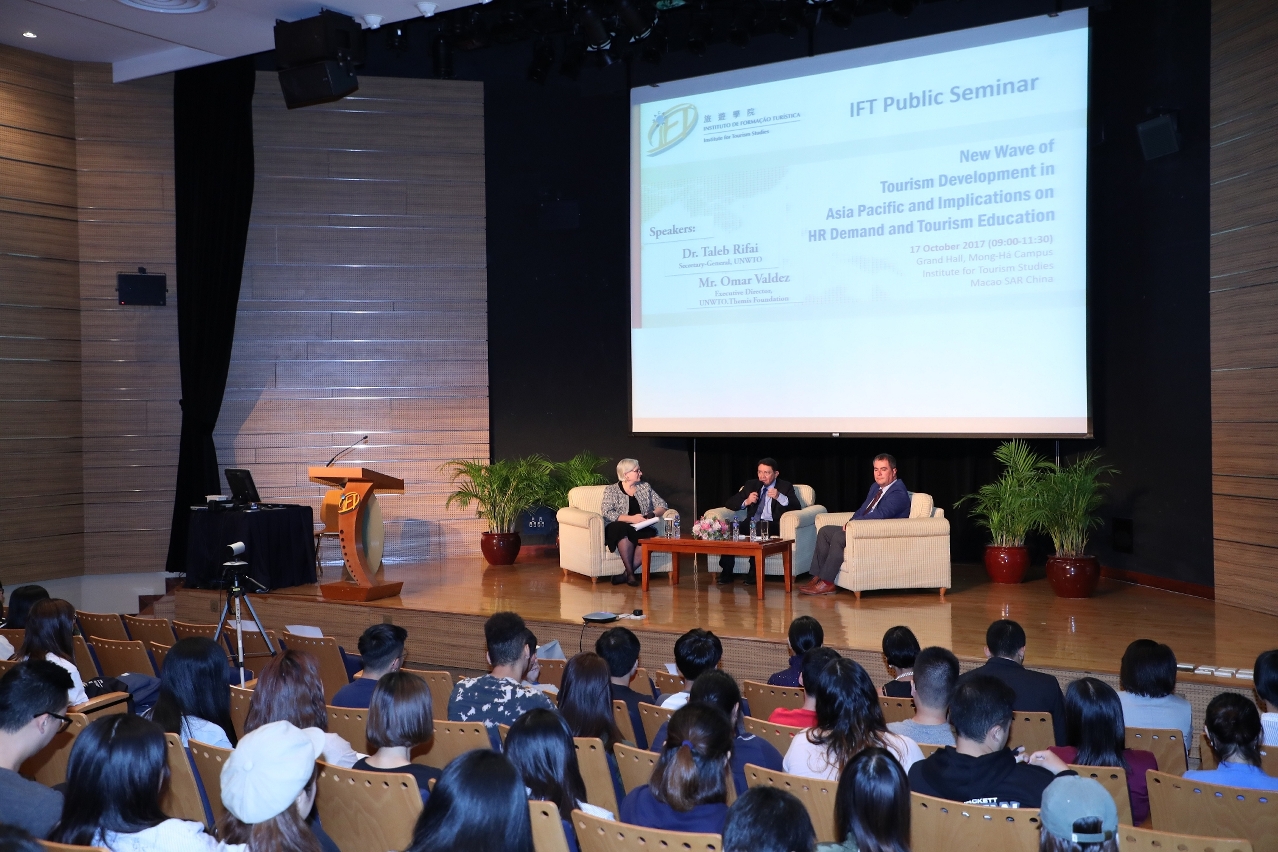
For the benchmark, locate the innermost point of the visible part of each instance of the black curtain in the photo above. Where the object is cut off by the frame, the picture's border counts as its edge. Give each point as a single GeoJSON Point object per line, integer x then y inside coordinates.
{"type": "Point", "coordinates": [213, 189]}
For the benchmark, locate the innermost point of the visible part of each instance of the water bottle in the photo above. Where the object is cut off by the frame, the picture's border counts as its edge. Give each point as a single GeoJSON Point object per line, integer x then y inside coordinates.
{"type": "Point", "coordinates": [676, 527]}
{"type": "Point", "coordinates": [754, 530]}
{"type": "Point", "coordinates": [736, 530]}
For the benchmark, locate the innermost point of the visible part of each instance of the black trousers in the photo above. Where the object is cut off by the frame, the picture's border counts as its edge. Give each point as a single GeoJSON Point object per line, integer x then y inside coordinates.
{"type": "Point", "coordinates": [828, 557]}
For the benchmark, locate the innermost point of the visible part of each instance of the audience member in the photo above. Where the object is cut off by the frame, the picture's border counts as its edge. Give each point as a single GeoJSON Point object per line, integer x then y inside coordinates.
{"type": "Point", "coordinates": [112, 797]}
{"type": "Point", "coordinates": [936, 673]}
{"type": "Point", "coordinates": [872, 806]}
{"type": "Point", "coordinates": [540, 746]}
{"type": "Point", "coordinates": [981, 770]}
{"type": "Point", "coordinates": [532, 677]}
{"type": "Point", "coordinates": [1147, 684]}
{"type": "Point", "coordinates": [195, 693]}
{"type": "Point", "coordinates": [688, 790]}
{"type": "Point", "coordinates": [498, 698]}
{"type": "Point", "coordinates": [1035, 691]}
{"type": "Point", "coordinates": [1078, 815]}
{"type": "Point", "coordinates": [620, 649]}
{"type": "Point", "coordinates": [33, 707]}
{"type": "Point", "coordinates": [719, 689]}
{"type": "Point", "coordinates": [479, 803]}
{"type": "Point", "coordinates": [768, 819]}
{"type": "Point", "coordinates": [15, 839]}
{"type": "Point", "coordinates": [805, 716]}
{"type": "Point", "coordinates": [1265, 676]}
{"type": "Point", "coordinates": [805, 634]}
{"type": "Point", "coordinates": [1233, 731]}
{"type": "Point", "coordinates": [899, 650]}
{"type": "Point", "coordinates": [849, 719]}
{"type": "Point", "coordinates": [268, 788]}
{"type": "Point", "coordinates": [381, 647]}
{"type": "Point", "coordinates": [1097, 737]}
{"type": "Point", "coordinates": [50, 628]}
{"type": "Point", "coordinates": [585, 699]}
{"type": "Point", "coordinates": [696, 651]}
{"type": "Point", "coordinates": [399, 718]}
{"type": "Point", "coordinates": [289, 689]}
{"type": "Point", "coordinates": [21, 600]}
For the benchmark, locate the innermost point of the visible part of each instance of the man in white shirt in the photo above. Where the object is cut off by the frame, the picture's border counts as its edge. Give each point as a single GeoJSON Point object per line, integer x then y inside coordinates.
{"type": "Point", "coordinates": [696, 651]}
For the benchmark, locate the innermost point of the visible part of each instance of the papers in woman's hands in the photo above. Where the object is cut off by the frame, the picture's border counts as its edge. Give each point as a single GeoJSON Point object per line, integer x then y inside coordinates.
{"type": "Point", "coordinates": [646, 523]}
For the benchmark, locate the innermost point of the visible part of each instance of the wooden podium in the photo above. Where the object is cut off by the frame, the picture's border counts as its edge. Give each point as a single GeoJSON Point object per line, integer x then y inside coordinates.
{"type": "Point", "coordinates": [350, 509]}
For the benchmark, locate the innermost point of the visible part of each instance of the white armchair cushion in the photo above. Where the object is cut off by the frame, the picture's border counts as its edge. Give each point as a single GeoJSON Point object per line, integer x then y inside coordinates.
{"type": "Point", "coordinates": [901, 553]}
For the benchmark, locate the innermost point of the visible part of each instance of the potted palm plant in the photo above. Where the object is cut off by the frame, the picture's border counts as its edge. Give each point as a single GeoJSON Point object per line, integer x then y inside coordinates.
{"type": "Point", "coordinates": [500, 490]}
{"type": "Point", "coordinates": [1005, 508]}
{"type": "Point", "coordinates": [581, 469]}
{"type": "Point", "coordinates": [1066, 501]}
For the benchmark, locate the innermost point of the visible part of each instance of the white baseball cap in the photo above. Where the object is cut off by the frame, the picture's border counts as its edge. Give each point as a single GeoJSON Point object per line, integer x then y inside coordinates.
{"type": "Point", "coordinates": [269, 769]}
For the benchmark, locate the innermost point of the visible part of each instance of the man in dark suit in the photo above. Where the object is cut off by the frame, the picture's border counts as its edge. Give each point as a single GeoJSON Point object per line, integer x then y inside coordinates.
{"type": "Point", "coordinates": [1035, 691]}
{"type": "Point", "coordinates": [888, 498]}
{"type": "Point", "coordinates": [766, 498]}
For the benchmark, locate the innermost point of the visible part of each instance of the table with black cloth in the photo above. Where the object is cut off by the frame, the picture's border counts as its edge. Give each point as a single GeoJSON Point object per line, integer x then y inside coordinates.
{"type": "Point", "coordinates": [279, 545]}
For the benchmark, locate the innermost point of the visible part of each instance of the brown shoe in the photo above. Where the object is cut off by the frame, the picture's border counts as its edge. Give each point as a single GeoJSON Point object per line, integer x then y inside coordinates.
{"type": "Point", "coordinates": [821, 587]}
{"type": "Point", "coordinates": [810, 584]}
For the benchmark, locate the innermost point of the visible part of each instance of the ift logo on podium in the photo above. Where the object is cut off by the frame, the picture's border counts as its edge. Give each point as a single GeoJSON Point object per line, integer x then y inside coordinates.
{"type": "Point", "coordinates": [348, 503]}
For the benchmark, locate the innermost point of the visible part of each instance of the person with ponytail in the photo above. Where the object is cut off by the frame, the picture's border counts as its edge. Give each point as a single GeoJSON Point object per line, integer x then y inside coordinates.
{"type": "Point", "coordinates": [268, 788]}
{"type": "Point", "coordinates": [872, 805]}
{"type": "Point", "coordinates": [688, 790]}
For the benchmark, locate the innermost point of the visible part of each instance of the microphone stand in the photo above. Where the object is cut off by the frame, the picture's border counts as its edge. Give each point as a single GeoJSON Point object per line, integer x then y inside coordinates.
{"type": "Point", "coordinates": [345, 451]}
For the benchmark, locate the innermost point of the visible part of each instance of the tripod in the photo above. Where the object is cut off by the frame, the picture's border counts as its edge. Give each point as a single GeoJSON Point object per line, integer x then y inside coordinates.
{"type": "Point", "coordinates": [234, 594]}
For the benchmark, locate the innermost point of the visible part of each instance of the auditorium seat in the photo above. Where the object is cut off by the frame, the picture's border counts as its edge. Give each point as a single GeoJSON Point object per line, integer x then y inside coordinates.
{"type": "Point", "coordinates": [816, 794]}
{"type": "Point", "coordinates": [581, 541]}
{"type": "Point", "coordinates": [642, 682]}
{"type": "Point", "coordinates": [102, 625]}
{"type": "Point", "coordinates": [903, 553]}
{"type": "Point", "coordinates": [896, 709]}
{"type": "Point", "coordinates": [332, 669]}
{"type": "Point", "coordinates": [452, 739]}
{"type": "Point", "coordinates": [351, 724]}
{"type": "Point", "coordinates": [547, 827]}
{"type": "Point", "coordinates": [85, 662]}
{"type": "Point", "coordinates": [117, 658]}
{"type": "Point", "coordinates": [1166, 744]}
{"type": "Point", "coordinates": [603, 835]}
{"type": "Point", "coordinates": [15, 636]}
{"type": "Point", "coordinates": [1182, 806]}
{"type": "Point", "coordinates": [779, 735]}
{"type": "Point", "coordinates": [621, 715]}
{"type": "Point", "coordinates": [763, 698]}
{"type": "Point", "coordinates": [653, 717]}
{"type": "Point", "coordinates": [592, 759]}
{"type": "Point", "coordinates": [49, 764]}
{"type": "Point", "coordinates": [158, 653]}
{"type": "Point", "coordinates": [50, 846]}
{"type": "Point", "coordinates": [149, 630]}
{"type": "Point", "coordinates": [1033, 730]}
{"type": "Point", "coordinates": [635, 765]}
{"type": "Point", "coordinates": [1147, 840]}
{"type": "Point", "coordinates": [441, 690]}
{"type": "Point", "coordinates": [669, 684]}
{"type": "Point", "coordinates": [183, 797]}
{"type": "Point", "coordinates": [209, 761]}
{"type": "Point", "coordinates": [939, 825]}
{"type": "Point", "coordinates": [367, 811]}
{"type": "Point", "coordinates": [552, 672]}
{"type": "Point", "coordinates": [929, 749]}
{"type": "Point", "coordinates": [1114, 780]}
{"type": "Point", "coordinates": [241, 697]}
{"type": "Point", "coordinates": [799, 525]}
{"type": "Point", "coordinates": [1268, 757]}
{"type": "Point", "coordinates": [182, 630]}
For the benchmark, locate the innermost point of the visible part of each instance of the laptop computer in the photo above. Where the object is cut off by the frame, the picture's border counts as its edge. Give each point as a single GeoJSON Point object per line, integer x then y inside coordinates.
{"type": "Point", "coordinates": [243, 491]}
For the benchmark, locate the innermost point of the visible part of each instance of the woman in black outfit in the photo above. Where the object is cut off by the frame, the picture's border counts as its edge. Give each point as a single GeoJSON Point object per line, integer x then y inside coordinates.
{"type": "Point", "coordinates": [624, 504]}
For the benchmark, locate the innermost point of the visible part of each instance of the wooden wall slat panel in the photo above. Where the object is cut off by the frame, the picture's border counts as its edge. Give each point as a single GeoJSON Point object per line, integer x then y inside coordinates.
{"type": "Point", "coordinates": [1244, 327]}
{"type": "Point", "coordinates": [1245, 395]}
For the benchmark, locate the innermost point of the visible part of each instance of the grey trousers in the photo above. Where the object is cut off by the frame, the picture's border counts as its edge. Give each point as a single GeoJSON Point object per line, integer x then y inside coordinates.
{"type": "Point", "coordinates": [828, 556]}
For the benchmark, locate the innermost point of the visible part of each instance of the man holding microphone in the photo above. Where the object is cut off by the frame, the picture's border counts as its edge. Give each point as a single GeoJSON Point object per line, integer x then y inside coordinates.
{"type": "Point", "coordinates": [764, 499]}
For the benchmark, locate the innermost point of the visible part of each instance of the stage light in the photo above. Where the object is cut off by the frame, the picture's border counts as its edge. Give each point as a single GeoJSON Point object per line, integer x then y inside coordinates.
{"type": "Point", "coordinates": [441, 51]}
{"type": "Point", "coordinates": [543, 60]}
{"type": "Point", "coordinates": [397, 38]}
{"type": "Point", "coordinates": [597, 35]}
{"type": "Point", "coordinates": [639, 24]}
{"type": "Point", "coordinates": [701, 30]}
{"type": "Point", "coordinates": [371, 22]}
{"type": "Point", "coordinates": [28, 34]}
{"type": "Point", "coordinates": [574, 58]}
{"type": "Point", "coordinates": [427, 9]}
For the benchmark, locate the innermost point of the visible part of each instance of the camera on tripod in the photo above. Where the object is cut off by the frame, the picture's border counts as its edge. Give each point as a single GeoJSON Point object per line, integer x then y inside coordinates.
{"type": "Point", "coordinates": [234, 572]}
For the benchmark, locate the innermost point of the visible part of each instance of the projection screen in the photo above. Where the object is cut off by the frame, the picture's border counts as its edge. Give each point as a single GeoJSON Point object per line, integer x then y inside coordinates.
{"type": "Point", "coordinates": [888, 240]}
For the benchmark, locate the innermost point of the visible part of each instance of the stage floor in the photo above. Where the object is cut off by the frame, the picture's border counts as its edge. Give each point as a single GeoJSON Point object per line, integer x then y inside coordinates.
{"type": "Point", "coordinates": [1086, 635]}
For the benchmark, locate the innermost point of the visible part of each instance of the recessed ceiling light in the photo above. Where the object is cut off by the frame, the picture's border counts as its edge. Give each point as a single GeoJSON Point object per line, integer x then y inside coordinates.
{"type": "Point", "coordinates": [28, 34]}
{"type": "Point", "coordinates": [172, 7]}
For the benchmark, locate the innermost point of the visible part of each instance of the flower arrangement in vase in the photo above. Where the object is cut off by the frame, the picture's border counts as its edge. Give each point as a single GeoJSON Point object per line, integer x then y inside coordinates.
{"type": "Point", "coordinates": [711, 529]}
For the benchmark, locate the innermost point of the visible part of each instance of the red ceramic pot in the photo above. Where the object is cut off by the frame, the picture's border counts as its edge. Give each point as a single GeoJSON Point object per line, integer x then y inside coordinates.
{"type": "Point", "coordinates": [1073, 576]}
{"type": "Point", "coordinates": [500, 548]}
{"type": "Point", "coordinates": [1006, 564]}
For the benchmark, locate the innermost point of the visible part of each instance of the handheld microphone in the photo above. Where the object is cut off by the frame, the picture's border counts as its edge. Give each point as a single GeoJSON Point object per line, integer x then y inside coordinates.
{"type": "Point", "coordinates": [345, 451]}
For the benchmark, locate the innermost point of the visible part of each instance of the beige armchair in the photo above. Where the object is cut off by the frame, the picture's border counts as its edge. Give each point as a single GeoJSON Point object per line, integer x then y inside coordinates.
{"type": "Point", "coordinates": [799, 525]}
{"type": "Point", "coordinates": [905, 553]}
{"type": "Point", "coordinates": [581, 538]}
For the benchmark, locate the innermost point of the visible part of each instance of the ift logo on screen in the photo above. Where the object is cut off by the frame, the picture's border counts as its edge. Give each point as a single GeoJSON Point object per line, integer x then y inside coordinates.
{"type": "Point", "coordinates": [670, 127]}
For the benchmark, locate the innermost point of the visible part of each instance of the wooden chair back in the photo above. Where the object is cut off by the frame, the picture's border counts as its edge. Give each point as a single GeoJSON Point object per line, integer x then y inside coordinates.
{"type": "Point", "coordinates": [181, 797]}
{"type": "Point", "coordinates": [441, 690]}
{"type": "Point", "coordinates": [182, 630]}
{"type": "Point", "coordinates": [67, 847]}
{"type": "Point", "coordinates": [939, 825]}
{"type": "Point", "coordinates": [1182, 806]}
{"type": "Point", "coordinates": [149, 630]}
{"type": "Point", "coordinates": [332, 669]}
{"type": "Point", "coordinates": [122, 657]}
{"type": "Point", "coordinates": [1147, 840]}
{"type": "Point", "coordinates": [241, 697]}
{"type": "Point", "coordinates": [452, 739]}
{"type": "Point", "coordinates": [107, 704]}
{"type": "Point", "coordinates": [17, 636]}
{"type": "Point", "coordinates": [635, 766]}
{"type": "Point", "coordinates": [1268, 756]}
{"type": "Point", "coordinates": [621, 715]}
{"type": "Point", "coordinates": [779, 735]}
{"type": "Point", "coordinates": [6, 665]}
{"type": "Point", "coordinates": [816, 794]}
{"type": "Point", "coordinates": [552, 672]}
{"type": "Point", "coordinates": [84, 661]}
{"type": "Point", "coordinates": [102, 625]}
{"type": "Point", "coordinates": [1034, 731]}
{"type": "Point", "coordinates": [642, 682]}
{"type": "Point", "coordinates": [1167, 744]}
{"type": "Point", "coordinates": [669, 684]}
{"type": "Point", "coordinates": [209, 761]}
{"type": "Point", "coordinates": [158, 654]}
{"type": "Point", "coordinates": [367, 811]}
{"type": "Point", "coordinates": [547, 827]}
{"type": "Point", "coordinates": [764, 698]}
{"type": "Point", "coordinates": [653, 717]}
{"type": "Point", "coordinates": [351, 724]}
{"type": "Point", "coordinates": [255, 651]}
{"type": "Point", "coordinates": [1114, 780]}
{"type": "Point", "coordinates": [49, 765]}
{"type": "Point", "coordinates": [604, 835]}
{"type": "Point", "coordinates": [900, 709]}
{"type": "Point", "coordinates": [929, 749]}
{"type": "Point", "coordinates": [592, 758]}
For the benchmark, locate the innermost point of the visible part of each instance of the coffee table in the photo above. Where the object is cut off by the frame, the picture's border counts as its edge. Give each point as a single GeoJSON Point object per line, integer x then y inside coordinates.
{"type": "Point", "coordinates": [760, 550]}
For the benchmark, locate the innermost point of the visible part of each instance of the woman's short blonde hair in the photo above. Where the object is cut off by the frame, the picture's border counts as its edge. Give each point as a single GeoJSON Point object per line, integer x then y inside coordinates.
{"type": "Point", "coordinates": [625, 466]}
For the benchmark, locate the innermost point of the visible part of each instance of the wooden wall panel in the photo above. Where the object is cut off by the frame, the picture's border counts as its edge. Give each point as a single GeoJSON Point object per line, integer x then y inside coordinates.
{"type": "Point", "coordinates": [129, 367]}
{"type": "Point", "coordinates": [41, 519]}
{"type": "Point", "coordinates": [1244, 303]}
{"type": "Point", "coordinates": [363, 303]}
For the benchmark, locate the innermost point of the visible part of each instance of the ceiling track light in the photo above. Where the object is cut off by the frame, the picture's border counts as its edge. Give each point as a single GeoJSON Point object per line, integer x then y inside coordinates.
{"type": "Point", "coordinates": [370, 22]}
{"type": "Point", "coordinates": [427, 9]}
{"type": "Point", "coordinates": [28, 34]}
{"type": "Point", "coordinates": [597, 36]}
{"type": "Point", "coordinates": [640, 25]}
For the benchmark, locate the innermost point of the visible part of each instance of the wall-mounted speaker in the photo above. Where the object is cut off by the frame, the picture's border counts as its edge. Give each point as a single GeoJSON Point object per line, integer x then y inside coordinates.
{"type": "Point", "coordinates": [1158, 136]}
{"type": "Point", "coordinates": [317, 83]}
{"type": "Point", "coordinates": [316, 58]}
{"type": "Point", "coordinates": [142, 287]}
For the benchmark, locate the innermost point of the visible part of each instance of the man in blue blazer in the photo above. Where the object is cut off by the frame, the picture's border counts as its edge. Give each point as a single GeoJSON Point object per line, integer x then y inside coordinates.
{"type": "Point", "coordinates": [888, 498]}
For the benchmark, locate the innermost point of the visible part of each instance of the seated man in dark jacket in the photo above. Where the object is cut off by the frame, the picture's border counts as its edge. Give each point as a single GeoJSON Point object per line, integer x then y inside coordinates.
{"type": "Point", "coordinates": [764, 499]}
{"type": "Point", "coordinates": [981, 770]}
{"type": "Point", "coordinates": [620, 649]}
{"type": "Point", "coordinates": [1036, 692]}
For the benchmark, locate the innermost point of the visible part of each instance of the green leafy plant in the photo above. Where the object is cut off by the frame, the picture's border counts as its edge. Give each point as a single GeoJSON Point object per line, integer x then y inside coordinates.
{"type": "Point", "coordinates": [500, 490]}
{"type": "Point", "coordinates": [1066, 499]}
{"type": "Point", "coordinates": [581, 469]}
{"type": "Point", "coordinates": [1005, 506]}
